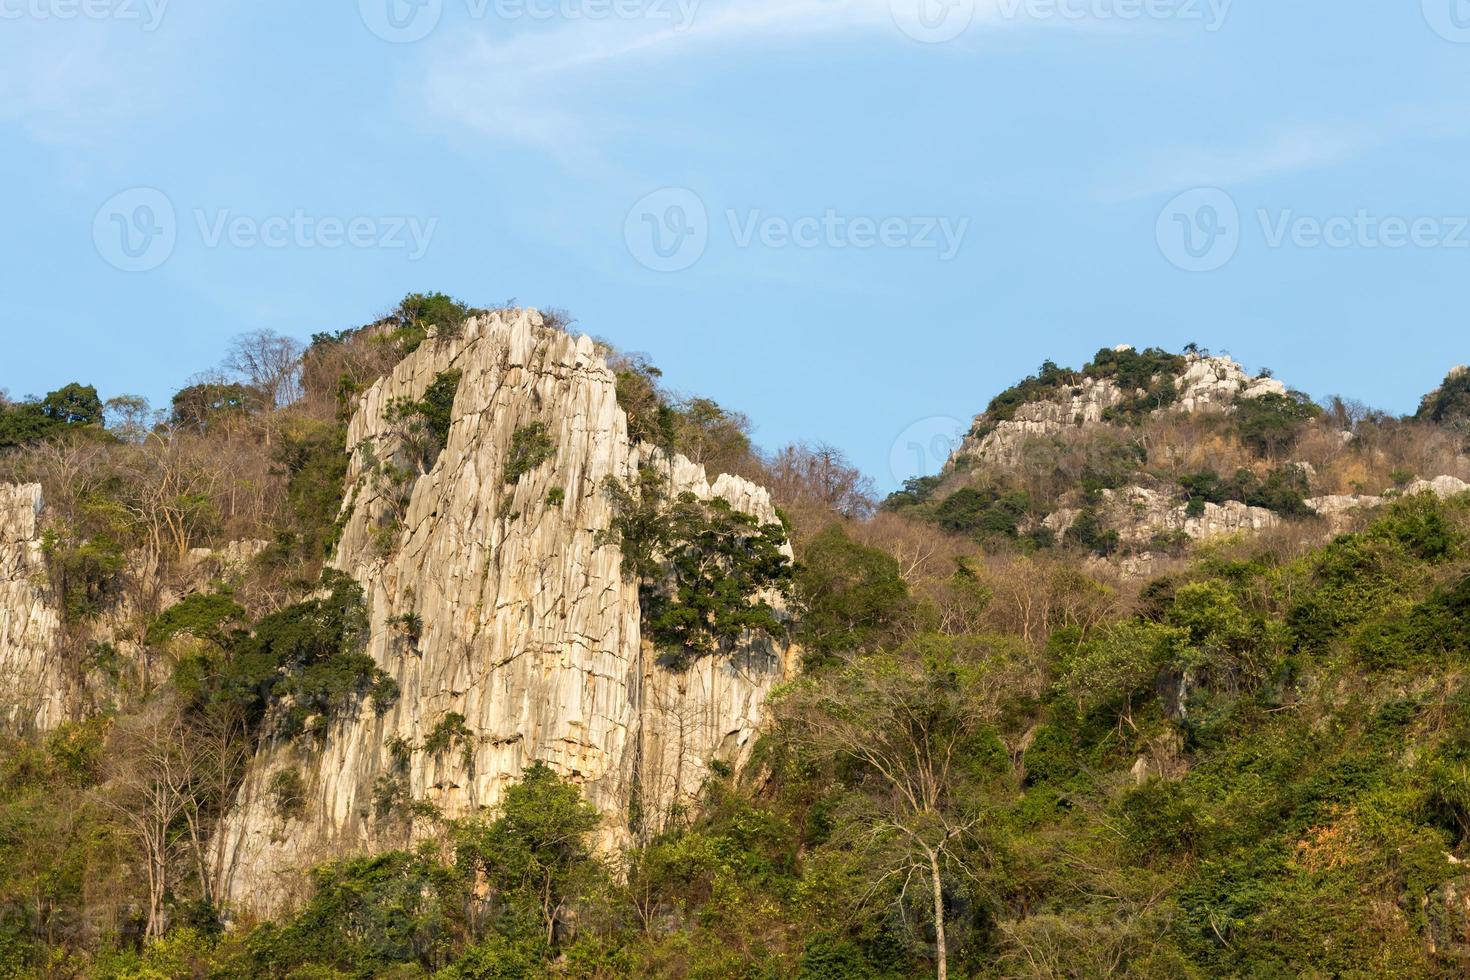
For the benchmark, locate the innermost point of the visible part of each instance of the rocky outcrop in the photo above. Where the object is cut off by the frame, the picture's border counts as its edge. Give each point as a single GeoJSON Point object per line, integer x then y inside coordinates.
{"type": "Point", "coordinates": [530, 631]}
{"type": "Point", "coordinates": [1144, 517]}
{"type": "Point", "coordinates": [33, 693]}
{"type": "Point", "coordinates": [1208, 383]}
{"type": "Point", "coordinates": [50, 675]}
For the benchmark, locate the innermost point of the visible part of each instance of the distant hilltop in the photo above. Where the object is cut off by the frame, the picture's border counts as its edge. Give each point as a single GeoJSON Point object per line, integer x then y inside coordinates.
{"type": "Point", "coordinates": [1140, 453]}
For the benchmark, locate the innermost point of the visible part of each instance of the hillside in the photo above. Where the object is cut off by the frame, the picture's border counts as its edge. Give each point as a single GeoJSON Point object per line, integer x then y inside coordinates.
{"type": "Point", "coordinates": [459, 645]}
{"type": "Point", "coordinates": [1140, 454]}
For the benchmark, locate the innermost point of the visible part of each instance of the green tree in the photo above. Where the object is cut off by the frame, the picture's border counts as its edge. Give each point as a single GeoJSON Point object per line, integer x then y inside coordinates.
{"type": "Point", "coordinates": [535, 855]}
{"type": "Point", "coordinates": [853, 597]}
{"type": "Point", "coordinates": [74, 404]}
{"type": "Point", "coordinates": [1271, 423]}
{"type": "Point", "coordinates": [706, 571]}
{"type": "Point", "coordinates": [914, 741]}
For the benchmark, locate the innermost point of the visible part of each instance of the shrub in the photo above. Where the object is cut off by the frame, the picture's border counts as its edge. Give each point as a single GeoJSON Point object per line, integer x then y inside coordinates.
{"type": "Point", "coordinates": [314, 455]}
{"type": "Point", "coordinates": [424, 424]}
{"type": "Point", "coordinates": [421, 314]}
{"type": "Point", "coordinates": [1121, 665]}
{"type": "Point", "coordinates": [366, 916]}
{"type": "Point", "coordinates": [915, 491]}
{"type": "Point", "coordinates": [1159, 821]}
{"type": "Point", "coordinates": [1089, 532]}
{"type": "Point", "coordinates": [1271, 423]}
{"type": "Point", "coordinates": [983, 512]}
{"type": "Point", "coordinates": [852, 596]}
{"type": "Point", "coordinates": [201, 406]}
{"type": "Point", "coordinates": [704, 569]}
{"type": "Point", "coordinates": [288, 790]}
{"type": "Point", "coordinates": [1284, 491]}
{"type": "Point", "coordinates": [530, 446]}
{"type": "Point", "coordinates": [449, 732]}
{"type": "Point", "coordinates": [203, 615]}
{"type": "Point", "coordinates": [1449, 404]}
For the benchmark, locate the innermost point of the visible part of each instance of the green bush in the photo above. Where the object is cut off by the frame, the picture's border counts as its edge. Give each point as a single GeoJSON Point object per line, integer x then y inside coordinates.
{"type": "Point", "coordinates": [1283, 490]}
{"type": "Point", "coordinates": [288, 790]}
{"type": "Point", "coordinates": [530, 446]}
{"type": "Point", "coordinates": [705, 570]}
{"type": "Point", "coordinates": [1449, 404]}
{"type": "Point", "coordinates": [1271, 423]}
{"type": "Point", "coordinates": [1090, 533]}
{"type": "Point", "coordinates": [852, 596]}
{"type": "Point", "coordinates": [1159, 821]}
{"type": "Point", "coordinates": [420, 315]}
{"type": "Point", "coordinates": [425, 423]}
{"type": "Point", "coordinates": [449, 732]}
{"type": "Point", "coordinates": [983, 512]}
{"type": "Point", "coordinates": [204, 615]}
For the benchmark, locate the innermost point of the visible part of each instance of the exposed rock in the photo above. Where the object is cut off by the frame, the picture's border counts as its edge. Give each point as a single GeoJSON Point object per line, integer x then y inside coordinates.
{"type": "Point", "coordinates": [1142, 516]}
{"type": "Point", "coordinates": [43, 682]}
{"type": "Point", "coordinates": [530, 629]}
{"type": "Point", "coordinates": [1208, 383]}
{"type": "Point", "coordinates": [33, 692]}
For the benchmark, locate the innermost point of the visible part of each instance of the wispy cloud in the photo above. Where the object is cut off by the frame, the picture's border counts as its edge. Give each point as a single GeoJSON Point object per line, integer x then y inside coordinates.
{"type": "Point", "coordinates": [529, 88]}
{"type": "Point", "coordinates": [1286, 152]}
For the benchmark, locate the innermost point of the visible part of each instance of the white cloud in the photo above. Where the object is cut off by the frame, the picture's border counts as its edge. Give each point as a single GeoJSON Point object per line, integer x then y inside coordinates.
{"type": "Point", "coordinates": [529, 87]}
{"type": "Point", "coordinates": [1287, 152]}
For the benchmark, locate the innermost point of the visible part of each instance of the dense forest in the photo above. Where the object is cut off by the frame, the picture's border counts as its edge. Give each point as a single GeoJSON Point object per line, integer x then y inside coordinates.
{"type": "Point", "coordinates": [1003, 756]}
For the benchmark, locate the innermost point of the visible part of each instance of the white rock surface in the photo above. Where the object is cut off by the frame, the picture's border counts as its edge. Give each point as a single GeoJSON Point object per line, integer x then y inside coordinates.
{"type": "Point", "coordinates": [1142, 514]}
{"type": "Point", "coordinates": [1209, 383]}
{"type": "Point", "coordinates": [530, 630]}
{"type": "Point", "coordinates": [33, 691]}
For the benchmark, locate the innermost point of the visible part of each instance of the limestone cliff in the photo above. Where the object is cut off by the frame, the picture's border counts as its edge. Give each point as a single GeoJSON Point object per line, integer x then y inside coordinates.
{"type": "Point", "coordinates": [32, 685]}
{"type": "Point", "coordinates": [49, 674]}
{"type": "Point", "coordinates": [529, 630]}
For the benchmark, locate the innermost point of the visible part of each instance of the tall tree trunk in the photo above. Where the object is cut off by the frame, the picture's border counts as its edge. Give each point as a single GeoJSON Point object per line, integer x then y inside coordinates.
{"type": "Point", "coordinates": [156, 886]}
{"type": "Point", "coordinates": [941, 947]}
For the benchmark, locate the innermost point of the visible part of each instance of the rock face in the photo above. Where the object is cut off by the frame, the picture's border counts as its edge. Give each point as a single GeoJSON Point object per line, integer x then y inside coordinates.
{"type": "Point", "coordinates": [1142, 515]}
{"type": "Point", "coordinates": [530, 631]}
{"type": "Point", "coordinates": [1208, 383]}
{"type": "Point", "coordinates": [32, 685]}
{"type": "Point", "coordinates": [43, 682]}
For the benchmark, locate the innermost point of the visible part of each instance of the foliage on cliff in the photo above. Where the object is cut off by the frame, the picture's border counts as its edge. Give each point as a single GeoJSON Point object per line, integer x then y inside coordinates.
{"type": "Point", "coordinates": [706, 572]}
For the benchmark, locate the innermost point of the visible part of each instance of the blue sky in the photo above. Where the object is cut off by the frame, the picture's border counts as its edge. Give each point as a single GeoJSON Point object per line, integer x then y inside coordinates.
{"type": "Point", "coordinates": [854, 220]}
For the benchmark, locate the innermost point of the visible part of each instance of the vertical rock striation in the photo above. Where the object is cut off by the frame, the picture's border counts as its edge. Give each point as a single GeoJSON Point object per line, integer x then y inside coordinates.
{"type": "Point", "coordinates": [33, 693]}
{"type": "Point", "coordinates": [522, 621]}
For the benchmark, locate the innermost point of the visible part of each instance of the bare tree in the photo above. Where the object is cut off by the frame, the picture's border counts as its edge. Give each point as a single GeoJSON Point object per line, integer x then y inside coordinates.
{"type": "Point", "coordinates": [130, 417]}
{"type": "Point", "coordinates": [909, 730]}
{"type": "Point", "coordinates": [815, 483]}
{"type": "Point", "coordinates": [270, 363]}
{"type": "Point", "coordinates": [153, 772]}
